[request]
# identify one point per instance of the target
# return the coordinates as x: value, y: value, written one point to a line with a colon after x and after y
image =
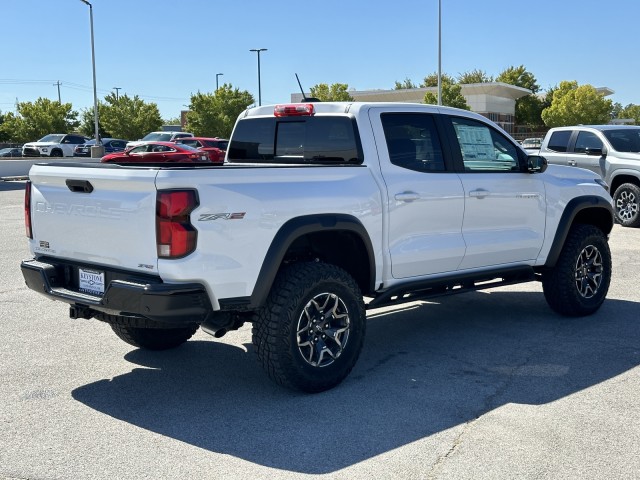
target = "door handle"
x: 407, y: 196
x: 573, y: 163
x: 479, y: 193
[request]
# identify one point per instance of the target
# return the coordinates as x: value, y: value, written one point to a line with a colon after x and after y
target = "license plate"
x: 91, y: 281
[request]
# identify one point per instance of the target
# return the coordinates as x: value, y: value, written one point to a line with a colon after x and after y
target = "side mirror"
x: 536, y: 164
x: 597, y: 152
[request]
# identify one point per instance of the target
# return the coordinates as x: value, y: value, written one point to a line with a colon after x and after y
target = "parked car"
x: 160, y: 137
x: 532, y: 143
x: 54, y: 145
x: 111, y: 145
x: 11, y: 152
x: 158, y: 152
x: 215, y: 147
x: 611, y: 151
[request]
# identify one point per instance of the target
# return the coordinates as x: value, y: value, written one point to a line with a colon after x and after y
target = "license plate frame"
x: 91, y: 281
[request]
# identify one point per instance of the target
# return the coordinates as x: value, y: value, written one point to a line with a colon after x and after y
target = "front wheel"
x: 626, y: 200
x: 310, y: 333
x: 579, y: 282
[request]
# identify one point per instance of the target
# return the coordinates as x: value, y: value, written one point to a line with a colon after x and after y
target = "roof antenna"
x: 304, y: 97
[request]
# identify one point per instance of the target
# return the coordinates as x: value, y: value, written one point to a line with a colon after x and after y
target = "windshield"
x: 188, y: 147
x: 55, y: 138
x: 624, y: 140
x: 158, y: 137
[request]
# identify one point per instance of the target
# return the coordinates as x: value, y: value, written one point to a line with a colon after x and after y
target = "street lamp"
x: 217, y: 75
x: 95, y: 92
x: 439, y: 52
x: 117, y: 89
x: 258, y: 50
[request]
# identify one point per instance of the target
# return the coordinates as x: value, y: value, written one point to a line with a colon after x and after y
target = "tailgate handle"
x: 79, y: 186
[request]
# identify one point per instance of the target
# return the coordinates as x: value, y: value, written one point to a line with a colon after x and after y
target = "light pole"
x: 217, y: 75
x: 117, y: 89
x: 439, y: 52
x: 99, y: 147
x: 258, y: 50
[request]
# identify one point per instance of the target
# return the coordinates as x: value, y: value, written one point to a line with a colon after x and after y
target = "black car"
x: 11, y: 152
x: 111, y: 145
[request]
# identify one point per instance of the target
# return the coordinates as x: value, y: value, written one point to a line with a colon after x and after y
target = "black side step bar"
x: 438, y: 287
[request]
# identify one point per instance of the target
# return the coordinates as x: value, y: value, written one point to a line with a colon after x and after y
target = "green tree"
x: 88, y: 122
x: 573, y: 105
x: 37, y: 119
x: 128, y: 117
x: 630, y: 111
x: 528, y: 108
x: 475, y: 76
x: 406, y: 84
x: 4, y: 136
x: 337, y: 92
x: 432, y: 80
x: 616, y: 108
x: 171, y: 121
x: 215, y: 114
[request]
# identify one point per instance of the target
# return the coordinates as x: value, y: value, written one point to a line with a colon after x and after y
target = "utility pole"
x: 117, y: 89
x: 439, y: 52
x: 58, y: 84
x: 217, y: 75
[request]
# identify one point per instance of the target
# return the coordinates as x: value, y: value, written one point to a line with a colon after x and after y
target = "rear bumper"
x: 125, y: 294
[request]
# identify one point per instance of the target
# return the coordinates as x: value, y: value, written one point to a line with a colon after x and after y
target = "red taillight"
x: 27, y: 209
x: 175, y: 235
x: 294, y: 110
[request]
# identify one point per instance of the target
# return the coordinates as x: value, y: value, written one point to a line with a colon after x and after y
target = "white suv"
x: 54, y: 145
x: 160, y: 137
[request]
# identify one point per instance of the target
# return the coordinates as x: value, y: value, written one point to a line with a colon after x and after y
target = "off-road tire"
x: 626, y: 204
x: 154, y: 338
x: 285, y: 331
x: 579, y: 282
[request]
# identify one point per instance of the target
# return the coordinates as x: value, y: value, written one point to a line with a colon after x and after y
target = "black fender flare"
x: 294, y: 229
x: 573, y: 208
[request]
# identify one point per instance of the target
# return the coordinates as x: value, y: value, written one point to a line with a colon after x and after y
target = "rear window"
x: 299, y: 140
x: 559, y: 141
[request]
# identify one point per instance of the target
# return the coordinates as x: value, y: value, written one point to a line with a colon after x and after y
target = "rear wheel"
x: 626, y: 201
x: 579, y: 282
x: 309, y: 334
x: 154, y: 338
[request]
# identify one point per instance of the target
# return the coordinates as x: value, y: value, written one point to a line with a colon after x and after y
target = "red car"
x: 157, y: 152
x: 215, y: 147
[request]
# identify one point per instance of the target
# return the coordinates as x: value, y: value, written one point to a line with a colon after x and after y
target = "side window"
x: 484, y: 149
x: 559, y: 141
x: 587, y: 141
x: 413, y: 142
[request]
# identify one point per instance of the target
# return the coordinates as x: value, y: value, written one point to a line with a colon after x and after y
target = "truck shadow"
x: 424, y: 369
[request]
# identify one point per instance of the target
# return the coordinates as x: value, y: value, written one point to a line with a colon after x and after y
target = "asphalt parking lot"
x: 486, y: 385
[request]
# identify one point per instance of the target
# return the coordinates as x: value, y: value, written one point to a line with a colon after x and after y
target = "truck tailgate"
x: 99, y: 216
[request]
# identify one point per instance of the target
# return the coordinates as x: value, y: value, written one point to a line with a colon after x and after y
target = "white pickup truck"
x: 321, y: 211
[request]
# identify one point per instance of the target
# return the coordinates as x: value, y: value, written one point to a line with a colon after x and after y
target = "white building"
x: 494, y: 100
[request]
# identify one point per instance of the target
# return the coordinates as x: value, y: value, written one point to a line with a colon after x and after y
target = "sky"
x: 165, y: 51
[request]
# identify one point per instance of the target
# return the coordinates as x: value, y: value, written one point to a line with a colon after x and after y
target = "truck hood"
x: 628, y: 156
